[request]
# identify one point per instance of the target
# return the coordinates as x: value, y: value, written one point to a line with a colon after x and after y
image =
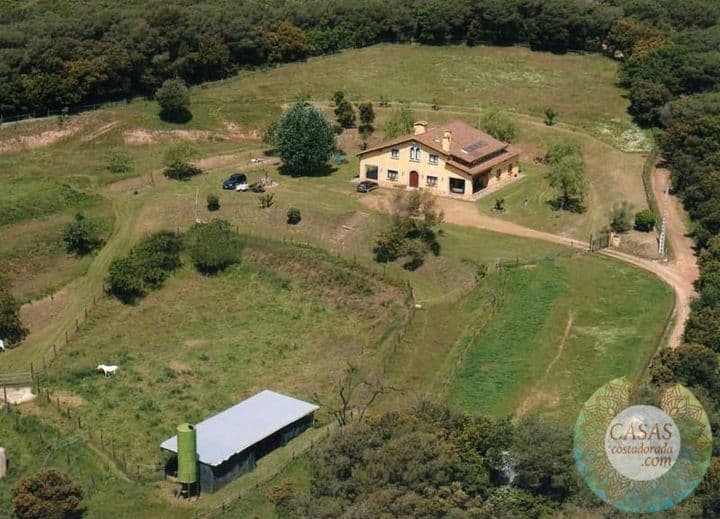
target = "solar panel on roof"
x: 474, y: 146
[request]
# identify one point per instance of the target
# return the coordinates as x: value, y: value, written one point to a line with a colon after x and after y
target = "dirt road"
x: 679, y: 273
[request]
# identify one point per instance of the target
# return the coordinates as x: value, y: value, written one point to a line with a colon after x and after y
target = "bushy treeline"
x: 673, y: 77
x: 430, y: 462
x: 53, y: 55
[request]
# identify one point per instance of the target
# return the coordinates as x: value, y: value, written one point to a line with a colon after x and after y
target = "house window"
x: 371, y: 172
x: 433, y: 159
x: 432, y: 181
x: 457, y: 185
x: 414, y: 153
x: 392, y: 175
x: 394, y: 153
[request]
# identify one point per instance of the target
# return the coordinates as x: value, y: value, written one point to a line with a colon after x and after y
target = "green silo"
x: 187, y: 454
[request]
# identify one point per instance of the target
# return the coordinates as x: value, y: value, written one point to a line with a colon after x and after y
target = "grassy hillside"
x: 571, y: 341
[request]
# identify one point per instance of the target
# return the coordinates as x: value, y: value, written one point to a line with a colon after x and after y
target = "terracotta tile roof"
x: 471, y: 150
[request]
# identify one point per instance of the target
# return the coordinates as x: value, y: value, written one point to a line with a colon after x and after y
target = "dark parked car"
x: 366, y: 186
x: 235, y: 180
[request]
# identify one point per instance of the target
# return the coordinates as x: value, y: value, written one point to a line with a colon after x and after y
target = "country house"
x: 451, y: 159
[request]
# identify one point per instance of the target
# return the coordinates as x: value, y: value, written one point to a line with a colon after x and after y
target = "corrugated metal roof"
x: 243, y: 425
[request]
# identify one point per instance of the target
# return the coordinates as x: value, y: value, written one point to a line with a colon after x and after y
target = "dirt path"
x: 679, y: 274
x: 684, y: 263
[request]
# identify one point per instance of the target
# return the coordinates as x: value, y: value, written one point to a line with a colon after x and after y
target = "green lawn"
x: 612, y: 328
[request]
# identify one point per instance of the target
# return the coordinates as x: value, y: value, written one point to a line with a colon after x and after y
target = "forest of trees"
x: 65, y: 54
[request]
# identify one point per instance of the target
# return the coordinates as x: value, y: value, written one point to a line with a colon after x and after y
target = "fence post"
x: 32, y: 371
x: 7, y: 404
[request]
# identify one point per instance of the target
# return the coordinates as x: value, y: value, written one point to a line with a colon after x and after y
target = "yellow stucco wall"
x: 442, y: 172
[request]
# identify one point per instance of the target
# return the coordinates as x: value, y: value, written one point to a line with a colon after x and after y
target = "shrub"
x: 293, y: 216
x: 125, y: 279
x: 119, y: 163
x: 146, y: 267
x: 400, y: 122
x: 213, y: 247
x: 174, y: 100
x: 499, y: 204
x: 11, y: 327
x: 550, y: 116
x: 621, y: 217
x: 500, y: 125
x: 266, y: 200
x: 81, y: 236
x: 645, y: 220
x: 177, y: 161
x: 213, y: 203
x: 48, y: 493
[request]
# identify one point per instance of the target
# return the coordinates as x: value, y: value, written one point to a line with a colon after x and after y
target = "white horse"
x: 108, y: 370
x: 2, y: 345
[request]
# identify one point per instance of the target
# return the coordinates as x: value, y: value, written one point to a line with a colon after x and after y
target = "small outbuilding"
x: 230, y: 443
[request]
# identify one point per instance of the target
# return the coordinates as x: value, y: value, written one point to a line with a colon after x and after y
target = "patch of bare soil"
x: 68, y: 399
x: 36, y: 314
x: 348, y: 226
x: 180, y: 367
x: 105, y: 128
x: 643, y: 244
x: 144, y: 136
x: 17, y: 395
x: 41, y: 139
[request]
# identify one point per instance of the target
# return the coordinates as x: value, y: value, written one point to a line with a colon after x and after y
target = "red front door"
x: 414, y: 179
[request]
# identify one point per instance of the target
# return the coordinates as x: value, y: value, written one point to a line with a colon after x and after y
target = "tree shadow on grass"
x: 324, y: 170
x: 573, y: 205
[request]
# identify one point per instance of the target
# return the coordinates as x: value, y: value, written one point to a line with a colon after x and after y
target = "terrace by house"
x: 452, y: 159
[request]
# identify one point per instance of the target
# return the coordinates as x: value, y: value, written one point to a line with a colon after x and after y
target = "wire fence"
x: 6, y: 120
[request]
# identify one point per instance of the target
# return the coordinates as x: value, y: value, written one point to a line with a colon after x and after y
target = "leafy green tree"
x: 645, y: 220
x: 411, y: 233
x: 690, y: 364
x: 567, y: 175
x: 81, y: 236
x: 213, y: 247
x: 47, y: 494
x: 646, y: 101
x: 305, y: 139
x: 177, y: 161
x: 550, y: 475
x: 11, y: 328
x: 400, y: 122
x: 286, y: 43
x: 621, y: 217
x: 703, y: 327
x: 345, y: 114
x: 500, y: 125
x: 367, y: 118
x: 125, y: 279
x: 174, y: 100
x: 147, y: 266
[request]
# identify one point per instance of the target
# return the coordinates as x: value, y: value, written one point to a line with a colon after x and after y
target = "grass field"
x: 572, y: 339
x: 288, y: 320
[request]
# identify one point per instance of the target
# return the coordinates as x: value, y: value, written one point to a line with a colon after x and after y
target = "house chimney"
x: 420, y: 127
x: 447, y: 139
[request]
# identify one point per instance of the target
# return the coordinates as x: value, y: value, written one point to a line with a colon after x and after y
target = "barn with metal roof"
x: 230, y: 443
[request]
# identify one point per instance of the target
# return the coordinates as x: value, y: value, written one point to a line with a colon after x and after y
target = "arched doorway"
x: 414, y: 179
